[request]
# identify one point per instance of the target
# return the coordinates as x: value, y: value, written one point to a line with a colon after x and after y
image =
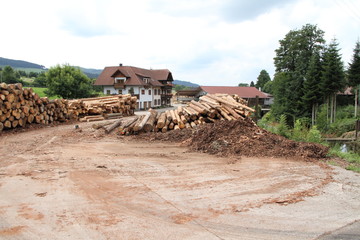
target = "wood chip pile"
x: 209, y: 109
x: 21, y: 106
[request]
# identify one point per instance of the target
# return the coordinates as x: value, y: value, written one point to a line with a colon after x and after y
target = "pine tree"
x: 293, y: 58
x: 333, y: 77
x: 354, y: 74
x: 262, y: 79
x: 252, y: 84
x: 312, y: 86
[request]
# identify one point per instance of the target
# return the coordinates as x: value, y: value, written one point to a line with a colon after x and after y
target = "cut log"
x: 174, y: 119
x: 233, y: 112
x: 140, y: 125
x: 168, y: 115
x: 117, y: 123
x: 161, y: 120
x: 224, y: 114
x: 231, y: 104
x: 199, y: 105
x: 149, y: 125
x: 198, y: 110
x: 180, y: 110
x: 103, y: 124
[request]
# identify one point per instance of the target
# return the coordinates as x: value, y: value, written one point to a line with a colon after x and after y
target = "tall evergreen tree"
x: 262, y: 79
x: 280, y: 88
x: 293, y: 57
x: 354, y: 67
x: 354, y: 74
x: 333, y: 77
x: 312, y: 86
x: 252, y: 84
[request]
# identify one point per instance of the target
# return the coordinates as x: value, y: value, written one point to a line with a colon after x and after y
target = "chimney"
x: 120, y: 65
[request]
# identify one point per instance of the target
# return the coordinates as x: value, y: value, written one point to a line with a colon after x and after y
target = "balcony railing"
x: 119, y: 85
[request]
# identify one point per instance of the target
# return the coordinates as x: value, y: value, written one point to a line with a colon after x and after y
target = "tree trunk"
x: 335, y: 103
x: 356, y: 101
x: 313, y: 115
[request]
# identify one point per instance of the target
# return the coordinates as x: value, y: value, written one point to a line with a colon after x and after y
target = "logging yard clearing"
x: 201, y: 171
x: 64, y: 183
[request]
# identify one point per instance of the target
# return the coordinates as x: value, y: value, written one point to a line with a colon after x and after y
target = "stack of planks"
x: 20, y: 106
x: 210, y: 108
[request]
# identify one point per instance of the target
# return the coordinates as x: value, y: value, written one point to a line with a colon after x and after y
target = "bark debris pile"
x: 242, y: 137
x: 21, y: 106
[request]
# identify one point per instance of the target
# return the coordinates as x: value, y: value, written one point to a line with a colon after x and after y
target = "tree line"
x: 64, y: 81
x: 10, y: 75
x: 309, y: 73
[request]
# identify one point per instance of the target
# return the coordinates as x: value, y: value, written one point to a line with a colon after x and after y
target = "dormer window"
x: 120, y: 80
x: 146, y: 80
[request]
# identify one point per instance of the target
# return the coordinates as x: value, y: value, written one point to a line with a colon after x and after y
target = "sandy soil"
x: 62, y: 183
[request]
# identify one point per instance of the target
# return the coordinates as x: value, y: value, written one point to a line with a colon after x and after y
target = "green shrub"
x: 313, y: 135
x: 342, y: 126
x: 268, y: 122
x: 283, y: 127
x: 300, y: 130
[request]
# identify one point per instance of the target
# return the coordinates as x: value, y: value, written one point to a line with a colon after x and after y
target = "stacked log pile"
x: 20, y: 106
x: 108, y: 106
x: 210, y: 108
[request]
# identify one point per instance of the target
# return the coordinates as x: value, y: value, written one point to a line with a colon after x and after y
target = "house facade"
x: 153, y: 88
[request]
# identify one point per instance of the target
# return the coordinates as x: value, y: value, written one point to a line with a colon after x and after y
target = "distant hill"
x: 20, y: 64
x: 185, y: 83
x: 91, y: 72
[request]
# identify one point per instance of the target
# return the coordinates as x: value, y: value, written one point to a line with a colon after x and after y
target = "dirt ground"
x: 66, y: 183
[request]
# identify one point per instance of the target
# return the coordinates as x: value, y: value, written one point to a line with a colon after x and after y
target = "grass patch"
x: 41, y: 92
x: 352, y: 158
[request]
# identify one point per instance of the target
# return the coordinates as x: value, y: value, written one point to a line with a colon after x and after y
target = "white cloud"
x: 215, y: 42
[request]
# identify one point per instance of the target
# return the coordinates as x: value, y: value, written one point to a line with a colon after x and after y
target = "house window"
x: 142, y: 91
x: 108, y: 92
x: 146, y: 80
x: 149, y: 91
x: 155, y: 91
x: 120, y: 91
x: 120, y: 80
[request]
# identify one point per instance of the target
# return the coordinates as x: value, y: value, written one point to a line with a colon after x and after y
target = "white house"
x: 151, y: 87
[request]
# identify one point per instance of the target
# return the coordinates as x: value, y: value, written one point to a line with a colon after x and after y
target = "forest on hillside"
x: 19, y: 64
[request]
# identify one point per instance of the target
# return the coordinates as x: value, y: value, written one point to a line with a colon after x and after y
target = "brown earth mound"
x: 242, y: 138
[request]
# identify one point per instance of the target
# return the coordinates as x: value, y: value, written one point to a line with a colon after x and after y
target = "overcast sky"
x: 208, y: 42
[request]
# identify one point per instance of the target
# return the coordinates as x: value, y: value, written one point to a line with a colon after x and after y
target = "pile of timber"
x: 20, y: 106
x: 123, y: 105
x: 210, y: 108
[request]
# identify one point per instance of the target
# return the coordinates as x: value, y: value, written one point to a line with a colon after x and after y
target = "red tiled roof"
x: 243, y: 92
x: 134, y: 76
